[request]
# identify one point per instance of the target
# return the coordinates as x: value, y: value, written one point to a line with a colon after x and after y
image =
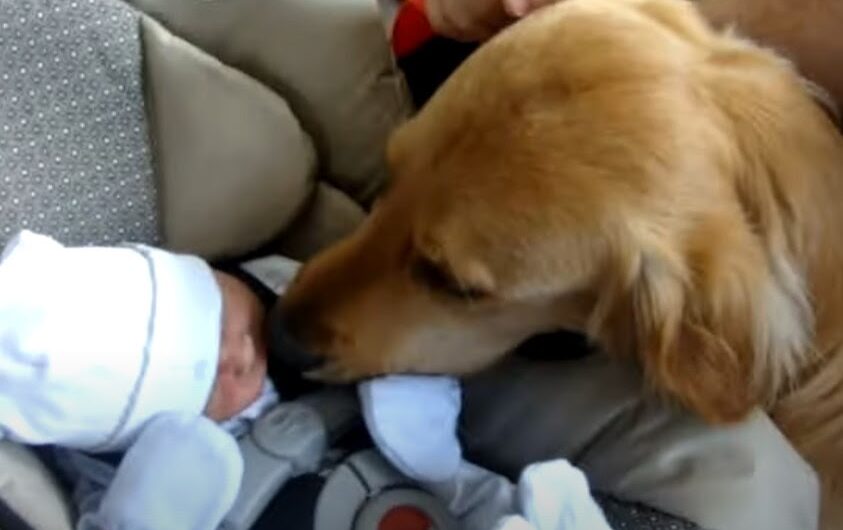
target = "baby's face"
x: 242, y: 363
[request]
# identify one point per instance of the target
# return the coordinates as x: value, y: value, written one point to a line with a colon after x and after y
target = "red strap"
x: 411, y: 28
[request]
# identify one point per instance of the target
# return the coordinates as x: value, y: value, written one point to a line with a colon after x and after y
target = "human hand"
x: 477, y: 20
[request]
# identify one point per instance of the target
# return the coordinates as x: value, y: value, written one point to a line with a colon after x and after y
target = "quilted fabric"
x: 74, y: 156
x: 632, y: 516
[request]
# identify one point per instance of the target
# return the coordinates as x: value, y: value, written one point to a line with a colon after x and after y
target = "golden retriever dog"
x: 619, y: 168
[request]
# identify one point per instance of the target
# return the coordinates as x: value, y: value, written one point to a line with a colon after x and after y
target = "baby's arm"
x: 413, y: 420
x: 182, y: 473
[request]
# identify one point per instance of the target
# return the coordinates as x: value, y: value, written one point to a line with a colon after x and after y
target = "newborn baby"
x: 131, y: 349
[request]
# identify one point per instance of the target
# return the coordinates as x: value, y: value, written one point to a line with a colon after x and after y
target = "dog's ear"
x: 707, y: 319
x: 696, y: 345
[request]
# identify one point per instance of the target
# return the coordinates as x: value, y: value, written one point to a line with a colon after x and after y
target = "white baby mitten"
x: 182, y: 473
x: 554, y: 495
x: 413, y: 421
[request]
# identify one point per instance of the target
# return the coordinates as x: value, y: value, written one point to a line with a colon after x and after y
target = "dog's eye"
x: 438, y: 278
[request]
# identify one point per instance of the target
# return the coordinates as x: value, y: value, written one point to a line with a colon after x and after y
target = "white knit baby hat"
x: 95, y: 341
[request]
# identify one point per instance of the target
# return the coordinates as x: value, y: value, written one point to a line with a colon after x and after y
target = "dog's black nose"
x: 284, y: 347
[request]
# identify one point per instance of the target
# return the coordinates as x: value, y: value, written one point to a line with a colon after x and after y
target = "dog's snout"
x: 285, y: 347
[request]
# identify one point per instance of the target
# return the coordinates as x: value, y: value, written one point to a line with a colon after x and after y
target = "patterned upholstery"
x: 74, y: 156
x: 631, y: 516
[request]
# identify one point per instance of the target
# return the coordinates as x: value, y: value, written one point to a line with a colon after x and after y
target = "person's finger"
x: 445, y: 21
x: 466, y: 21
x: 436, y: 17
x: 517, y: 8
x: 522, y: 8
x: 462, y: 20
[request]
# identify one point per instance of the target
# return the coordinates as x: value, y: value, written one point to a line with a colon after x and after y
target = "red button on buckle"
x: 405, y: 518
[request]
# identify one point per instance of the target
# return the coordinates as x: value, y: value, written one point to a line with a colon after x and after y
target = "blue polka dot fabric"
x: 75, y: 159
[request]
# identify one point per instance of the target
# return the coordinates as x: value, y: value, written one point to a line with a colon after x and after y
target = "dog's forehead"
x: 516, y: 143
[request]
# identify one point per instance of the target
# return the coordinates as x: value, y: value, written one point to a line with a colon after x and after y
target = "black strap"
x: 264, y: 293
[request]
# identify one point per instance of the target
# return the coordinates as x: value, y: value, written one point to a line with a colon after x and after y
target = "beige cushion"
x: 329, y: 217
x: 233, y: 164
x: 330, y: 60
x: 29, y: 489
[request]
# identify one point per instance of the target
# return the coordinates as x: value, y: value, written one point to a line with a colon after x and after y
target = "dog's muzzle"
x: 284, y: 347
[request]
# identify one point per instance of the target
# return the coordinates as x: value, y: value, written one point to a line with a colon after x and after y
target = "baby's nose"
x: 239, y: 355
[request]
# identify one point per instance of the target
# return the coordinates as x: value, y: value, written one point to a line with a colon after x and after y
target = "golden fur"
x: 619, y: 168
x: 806, y: 31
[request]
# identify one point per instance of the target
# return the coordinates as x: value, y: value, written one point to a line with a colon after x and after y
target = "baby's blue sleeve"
x: 413, y: 421
x: 182, y: 473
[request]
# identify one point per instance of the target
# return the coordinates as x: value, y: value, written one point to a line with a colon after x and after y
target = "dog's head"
x: 602, y: 166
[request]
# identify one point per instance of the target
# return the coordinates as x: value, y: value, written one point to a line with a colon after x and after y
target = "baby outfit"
x: 106, y: 350
x: 413, y: 420
x: 94, y: 342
